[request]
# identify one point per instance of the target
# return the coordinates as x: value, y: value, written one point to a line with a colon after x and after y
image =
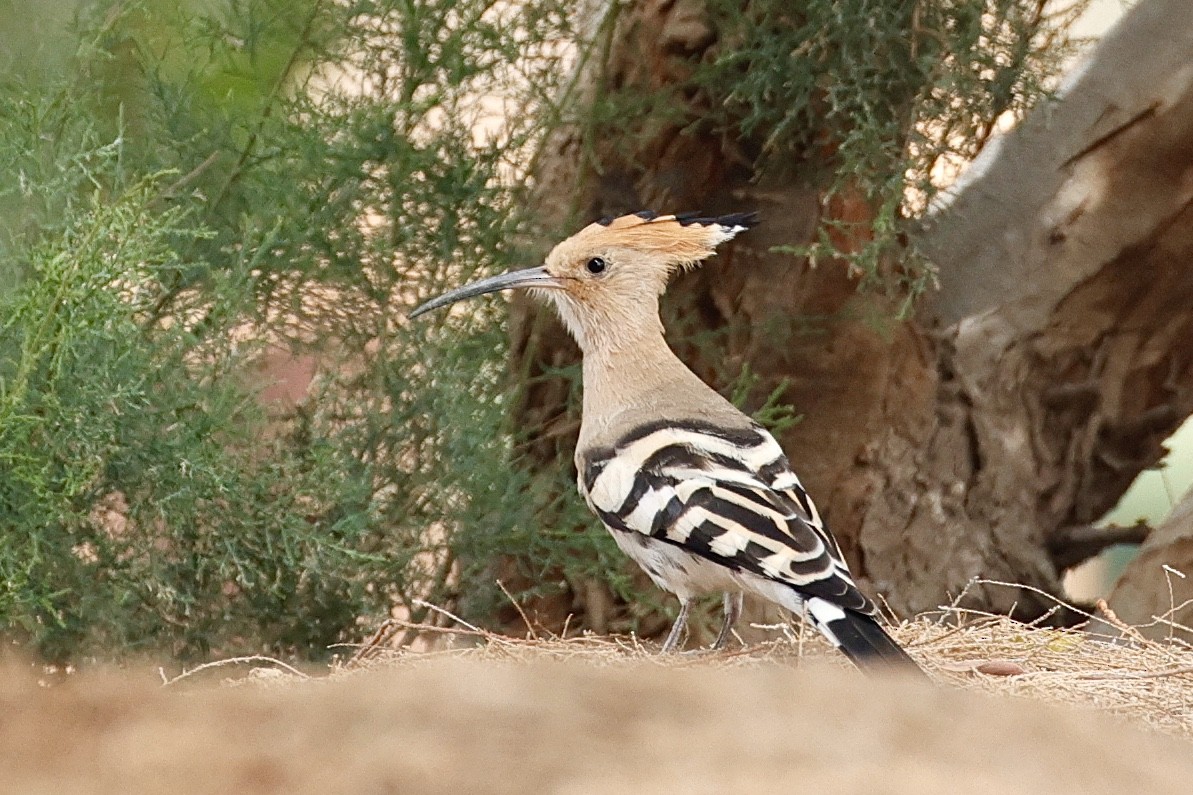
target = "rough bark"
x: 1020, y: 401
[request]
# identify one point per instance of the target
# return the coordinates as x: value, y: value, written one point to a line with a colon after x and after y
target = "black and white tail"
x: 859, y: 637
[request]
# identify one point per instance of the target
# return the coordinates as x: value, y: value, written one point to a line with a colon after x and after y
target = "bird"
x: 697, y: 493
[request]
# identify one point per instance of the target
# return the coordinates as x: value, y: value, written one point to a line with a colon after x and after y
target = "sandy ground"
x: 584, y: 724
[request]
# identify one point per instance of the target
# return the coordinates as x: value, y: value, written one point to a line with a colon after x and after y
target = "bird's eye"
x: 595, y: 265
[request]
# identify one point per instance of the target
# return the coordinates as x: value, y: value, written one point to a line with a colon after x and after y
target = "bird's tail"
x: 860, y: 638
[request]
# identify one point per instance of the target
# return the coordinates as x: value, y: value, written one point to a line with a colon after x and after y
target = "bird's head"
x: 606, y: 279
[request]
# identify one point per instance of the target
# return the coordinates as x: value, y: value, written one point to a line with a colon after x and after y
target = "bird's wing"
x: 725, y: 495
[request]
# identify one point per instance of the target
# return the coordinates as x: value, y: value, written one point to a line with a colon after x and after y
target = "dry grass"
x: 479, y: 712
x: 1149, y: 682
x: 1124, y: 674
x: 1144, y: 681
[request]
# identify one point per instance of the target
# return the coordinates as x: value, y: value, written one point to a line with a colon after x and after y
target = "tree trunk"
x: 1066, y: 300
x: 1021, y: 399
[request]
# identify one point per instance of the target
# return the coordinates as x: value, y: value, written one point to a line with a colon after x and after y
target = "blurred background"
x: 219, y: 433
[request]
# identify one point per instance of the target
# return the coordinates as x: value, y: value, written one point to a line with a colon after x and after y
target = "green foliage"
x: 773, y: 414
x: 202, y: 187
x: 139, y: 507
x: 876, y: 103
x: 895, y: 94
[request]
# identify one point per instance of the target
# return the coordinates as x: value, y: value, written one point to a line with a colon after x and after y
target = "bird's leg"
x: 677, y: 629
x: 733, y: 603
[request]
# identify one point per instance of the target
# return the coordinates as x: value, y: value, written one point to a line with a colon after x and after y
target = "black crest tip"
x: 731, y: 221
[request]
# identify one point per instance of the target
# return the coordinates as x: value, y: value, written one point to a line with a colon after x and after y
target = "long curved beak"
x: 530, y: 277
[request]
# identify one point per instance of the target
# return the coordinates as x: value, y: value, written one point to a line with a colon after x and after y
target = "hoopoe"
x: 698, y: 494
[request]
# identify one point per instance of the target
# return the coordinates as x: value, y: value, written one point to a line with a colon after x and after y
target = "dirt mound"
x: 595, y: 723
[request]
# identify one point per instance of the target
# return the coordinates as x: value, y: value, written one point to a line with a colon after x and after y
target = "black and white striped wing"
x: 727, y: 496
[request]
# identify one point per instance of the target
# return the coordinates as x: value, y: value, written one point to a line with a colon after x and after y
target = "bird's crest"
x: 678, y: 239
x: 607, y: 269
